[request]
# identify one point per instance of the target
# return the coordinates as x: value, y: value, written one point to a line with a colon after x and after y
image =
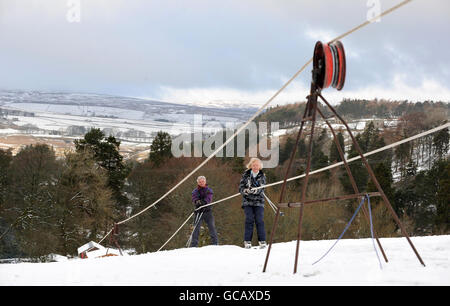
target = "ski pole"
x: 273, y: 206
x: 197, y: 219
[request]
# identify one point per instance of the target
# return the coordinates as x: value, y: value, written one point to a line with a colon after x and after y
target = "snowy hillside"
x: 351, y: 262
x: 132, y: 119
x: 29, y: 117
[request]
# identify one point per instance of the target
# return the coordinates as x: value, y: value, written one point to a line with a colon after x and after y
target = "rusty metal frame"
x: 374, y: 180
x: 352, y: 180
x: 338, y: 198
x: 113, y: 237
x: 309, y: 114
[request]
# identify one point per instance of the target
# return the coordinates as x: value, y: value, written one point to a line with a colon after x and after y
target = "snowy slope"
x: 351, y: 262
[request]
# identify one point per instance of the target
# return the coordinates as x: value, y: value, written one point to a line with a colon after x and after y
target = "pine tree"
x: 358, y: 170
x: 8, y: 246
x: 411, y: 169
x: 85, y: 207
x: 301, y: 149
x: 438, y: 178
x: 368, y: 136
x: 402, y: 156
x: 383, y: 174
x: 441, y: 143
x: 30, y: 205
x: 5, y: 161
x: 318, y: 158
x: 425, y: 197
x: 443, y: 199
x: 161, y: 147
x: 334, y: 153
x: 105, y: 151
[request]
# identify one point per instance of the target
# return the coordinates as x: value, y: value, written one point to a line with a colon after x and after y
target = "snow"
x: 78, y: 110
x: 61, y: 112
x: 9, y: 131
x: 351, y: 262
x: 175, y: 125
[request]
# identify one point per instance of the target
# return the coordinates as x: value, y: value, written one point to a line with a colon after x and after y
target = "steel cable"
x: 257, y: 113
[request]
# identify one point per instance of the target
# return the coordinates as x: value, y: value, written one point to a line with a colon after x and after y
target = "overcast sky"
x: 235, y: 50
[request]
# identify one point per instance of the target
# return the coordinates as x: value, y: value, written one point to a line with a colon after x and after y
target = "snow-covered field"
x: 351, y: 262
x: 128, y: 119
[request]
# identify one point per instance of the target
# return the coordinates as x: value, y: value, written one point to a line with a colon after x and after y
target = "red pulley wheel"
x: 335, y: 65
x: 329, y: 65
x: 342, y: 65
x: 319, y: 65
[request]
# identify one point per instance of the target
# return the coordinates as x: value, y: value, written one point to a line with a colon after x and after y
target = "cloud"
x: 429, y: 89
x: 426, y: 90
x: 320, y: 34
x: 198, y: 50
x: 231, y: 96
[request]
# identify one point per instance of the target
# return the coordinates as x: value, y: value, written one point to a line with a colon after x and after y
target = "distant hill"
x: 291, y: 114
x: 63, y: 102
x: 134, y: 121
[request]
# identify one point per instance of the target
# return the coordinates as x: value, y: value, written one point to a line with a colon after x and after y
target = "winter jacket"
x: 248, y: 181
x: 204, y: 194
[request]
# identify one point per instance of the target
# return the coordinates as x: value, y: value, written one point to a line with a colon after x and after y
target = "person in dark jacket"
x: 202, y: 195
x: 253, y: 202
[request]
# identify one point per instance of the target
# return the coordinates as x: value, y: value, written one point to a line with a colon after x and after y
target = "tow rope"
x: 348, y: 225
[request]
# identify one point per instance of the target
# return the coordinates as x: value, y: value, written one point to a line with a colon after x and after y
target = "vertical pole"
x: 375, y: 181
x: 352, y: 180
x: 283, y: 188
x: 312, y: 112
x: 113, y: 236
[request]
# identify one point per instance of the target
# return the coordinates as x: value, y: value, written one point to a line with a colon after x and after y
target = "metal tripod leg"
x: 352, y: 180
x: 283, y: 187
x: 312, y: 101
x: 375, y: 181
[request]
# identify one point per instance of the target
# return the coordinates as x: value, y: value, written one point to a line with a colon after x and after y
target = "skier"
x: 253, y: 202
x: 202, y: 195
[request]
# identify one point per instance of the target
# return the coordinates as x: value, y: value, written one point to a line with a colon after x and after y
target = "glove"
x: 198, y: 203
x: 250, y: 191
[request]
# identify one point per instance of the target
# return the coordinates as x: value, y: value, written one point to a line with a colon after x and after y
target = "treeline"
x: 50, y: 205
x: 415, y: 176
x: 356, y: 108
x: 290, y: 115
